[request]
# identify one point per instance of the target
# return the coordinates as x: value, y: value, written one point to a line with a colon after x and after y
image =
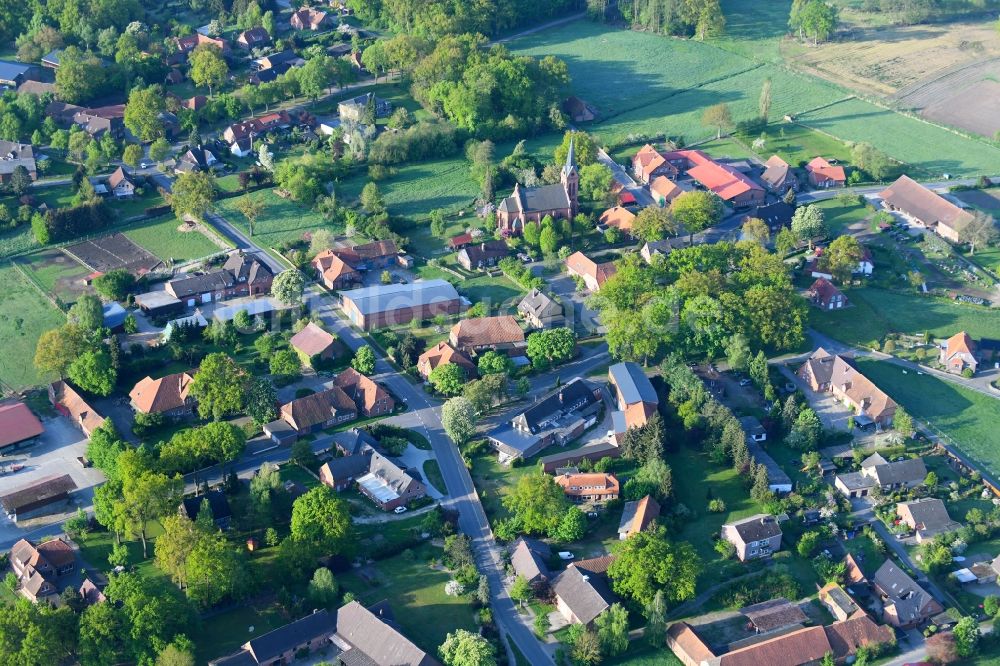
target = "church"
x: 531, y: 204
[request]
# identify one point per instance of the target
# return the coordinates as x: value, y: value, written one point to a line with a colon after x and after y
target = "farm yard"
x: 24, y: 316
x: 171, y: 240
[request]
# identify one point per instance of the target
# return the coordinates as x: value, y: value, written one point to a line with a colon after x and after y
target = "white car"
x: 566, y: 555
x: 399, y: 509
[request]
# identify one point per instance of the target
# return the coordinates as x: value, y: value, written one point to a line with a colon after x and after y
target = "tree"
x: 967, y: 637
x: 87, y: 313
x: 494, y: 362
x: 464, y: 648
x: 143, y: 113
x: 979, y: 232
x: 92, y: 371
x: 841, y: 258
x: 646, y: 563
x: 458, y: 417
x: 207, y: 67
x: 193, y: 194
x: 219, y: 386
x: 364, y: 360
x: 695, y: 211
x: 903, y: 422
x: 808, y: 223
x: 251, y: 208
x: 719, y: 117
x: 323, y: 588
x: 756, y: 230
x: 537, y: 502
x: 448, y: 379
x: 147, y: 497
x: 320, y: 518
x: 115, y: 285
x: 764, y: 103
x: 612, y: 630
x: 656, y: 619
x: 288, y: 286
x: 653, y: 223
x: 552, y: 346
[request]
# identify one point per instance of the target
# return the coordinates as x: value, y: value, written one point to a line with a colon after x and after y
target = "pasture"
x: 24, y: 316
x: 170, y: 240
x: 877, y: 312
x: 967, y: 417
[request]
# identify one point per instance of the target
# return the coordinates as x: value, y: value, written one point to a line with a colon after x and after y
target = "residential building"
x: 919, y: 204
x: 441, y: 354
x: 482, y: 255
x: 634, y: 394
x: 823, y: 174
x: 778, y: 176
x: 308, y: 18
x: 583, y: 591
x: 19, y: 427
x: 829, y: 373
x: 254, y: 38
x: 927, y: 517
x: 637, y: 516
x: 530, y: 204
x: 528, y: 557
x: 664, y: 190
x: 167, y: 395
x: 824, y: 295
x: 589, y: 488
x: 904, y: 603
x: 594, y: 275
x: 120, y: 184
x: 559, y: 417
x: 399, y: 304
x: 354, y: 109
x: 319, y: 410
x: 388, y: 485
x: 313, y: 344
x: 341, y: 473
x: 38, y: 497
x: 619, y: 218
x: 71, y: 404
x: 38, y: 568
x: 593, y: 452
x: 959, y: 354
x: 241, y: 275
x: 369, y: 396
x: 754, y: 537
x: 541, y: 310
x: 218, y: 505
x: 478, y: 335
x: 14, y: 155
x: 838, y: 601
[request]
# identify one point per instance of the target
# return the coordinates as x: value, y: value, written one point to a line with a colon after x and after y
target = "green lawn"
x: 876, y: 312
x: 24, y: 316
x: 162, y: 237
x: 283, y: 219
x: 416, y: 593
x: 969, y: 418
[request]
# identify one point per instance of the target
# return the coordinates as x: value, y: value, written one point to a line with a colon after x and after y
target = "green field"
x: 161, y: 237
x: 876, y: 312
x: 934, y: 149
x: 24, y: 315
x: 967, y: 417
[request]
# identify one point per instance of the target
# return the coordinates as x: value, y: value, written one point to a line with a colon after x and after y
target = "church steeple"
x: 569, y: 177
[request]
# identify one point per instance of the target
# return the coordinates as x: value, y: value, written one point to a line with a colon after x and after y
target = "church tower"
x: 570, y: 177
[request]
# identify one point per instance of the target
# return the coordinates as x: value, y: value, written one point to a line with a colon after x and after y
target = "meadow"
x: 877, y: 312
x: 24, y: 316
x: 162, y: 237
x: 967, y: 417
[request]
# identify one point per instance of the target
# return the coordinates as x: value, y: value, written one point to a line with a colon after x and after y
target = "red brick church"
x: 531, y: 204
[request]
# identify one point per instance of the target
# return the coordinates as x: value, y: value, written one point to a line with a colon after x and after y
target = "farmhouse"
x: 441, y: 354
x: 531, y: 204
x: 904, y: 603
x: 541, y: 310
x: 754, y: 537
x: 166, y: 395
x: 371, y: 399
x: 318, y: 411
x: 927, y: 517
x: 823, y: 174
x: 559, y: 417
x: 637, y: 516
x: 528, y: 557
x: 594, y: 275
x: 592, y: 488
x: 388, y: 485
x: 921, y: 205
x: 825, y: 295
x: 834, y: 374
x: 354, y: 109
x: 583, y: 591
x: 37, y: 497
x: 19, y: 427
x: 398, y: 304
x: 481, y: 334
x: 482, y: 255
x: 778, y: 176
x: 71, y: 404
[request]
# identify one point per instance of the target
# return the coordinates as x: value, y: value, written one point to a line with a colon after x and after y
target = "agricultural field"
x: 932, y: 149
x: 169, y: 239
x: 967, y: 417
x: 876, y: 312
x: 57, y: 273
x: 24, y: 315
